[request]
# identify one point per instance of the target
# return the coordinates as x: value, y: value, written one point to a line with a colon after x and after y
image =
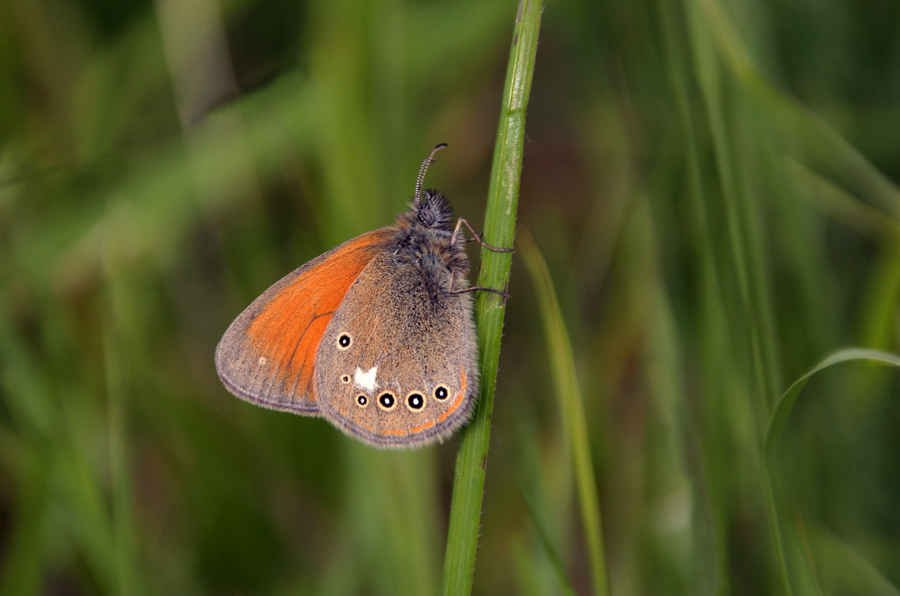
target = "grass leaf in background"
x: 571, y: 407
x: 787, y: 401
x: 787, y: 540
x: 527, y: 575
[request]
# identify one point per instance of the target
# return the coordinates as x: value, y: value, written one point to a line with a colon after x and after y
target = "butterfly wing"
x: 267, y: 355
x: 396, y: 367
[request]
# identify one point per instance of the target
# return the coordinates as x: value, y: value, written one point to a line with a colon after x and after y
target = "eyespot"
x: 441, y: 393
x: 344, y: 341
x: 362, y: 400
x: 415, y: 401
x: 345, y: 379
x: 387, y: 400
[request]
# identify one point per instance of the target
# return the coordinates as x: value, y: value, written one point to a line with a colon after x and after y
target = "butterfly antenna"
x: 424, y: 169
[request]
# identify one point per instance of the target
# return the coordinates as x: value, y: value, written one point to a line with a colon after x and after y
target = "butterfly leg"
x: 477, y: 238
x: 477, y: 288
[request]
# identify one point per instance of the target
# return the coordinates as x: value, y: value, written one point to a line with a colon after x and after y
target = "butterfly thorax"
x: 425, y: 241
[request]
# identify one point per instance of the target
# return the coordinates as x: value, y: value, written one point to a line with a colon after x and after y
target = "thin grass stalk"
x: 115, y: 327
x: 500, y: 221
x: 550, y: 551
x: 572, y: 411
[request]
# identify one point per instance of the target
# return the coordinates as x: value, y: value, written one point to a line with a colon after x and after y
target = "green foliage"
x: 711, y: 183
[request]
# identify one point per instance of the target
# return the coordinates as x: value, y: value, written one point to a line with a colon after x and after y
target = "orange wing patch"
x: 287, y: 330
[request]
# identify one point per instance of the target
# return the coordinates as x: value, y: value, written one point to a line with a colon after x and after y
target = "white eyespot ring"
x: 344, y: 341
x: 441, y: 393
x: 415, y: 401
x: 387, y: 401
x: 362, y: 400
x: 345, y: 379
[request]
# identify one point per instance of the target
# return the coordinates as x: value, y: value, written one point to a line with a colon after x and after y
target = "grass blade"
x: 776, y: 429
x: 500, y: 221
x: 572, y: 411
x: 787, y: 401
x: 546, y: 544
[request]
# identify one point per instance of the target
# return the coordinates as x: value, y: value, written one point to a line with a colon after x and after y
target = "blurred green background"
x: 712, y: 183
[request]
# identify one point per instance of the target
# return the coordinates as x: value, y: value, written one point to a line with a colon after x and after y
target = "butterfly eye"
x: 344, y: 341
x: 345, y: 379
x: 415, y: 401
x: 387, y: 401
x: 441, y: 393
x: 361, y: 400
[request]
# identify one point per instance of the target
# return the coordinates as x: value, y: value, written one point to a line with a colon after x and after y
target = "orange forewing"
x: 268, y: 354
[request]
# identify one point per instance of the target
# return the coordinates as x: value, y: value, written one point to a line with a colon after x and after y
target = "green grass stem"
x: 500, y: 221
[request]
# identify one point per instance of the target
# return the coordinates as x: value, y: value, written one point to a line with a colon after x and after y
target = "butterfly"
x: 376, y: 335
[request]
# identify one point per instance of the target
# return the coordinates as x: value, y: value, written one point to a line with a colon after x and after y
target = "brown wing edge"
x: 234, y: 344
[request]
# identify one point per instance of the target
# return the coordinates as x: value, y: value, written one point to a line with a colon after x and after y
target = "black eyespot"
x: 415, y: 401
x: 362, y: 400
x: 345, y: 379
x: 344, y: 341
x: 441, y: 393
x: 386, y: 400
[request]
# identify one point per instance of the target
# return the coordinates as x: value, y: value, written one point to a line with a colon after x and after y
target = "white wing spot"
x: 366, y: 380
x: 263, y: 360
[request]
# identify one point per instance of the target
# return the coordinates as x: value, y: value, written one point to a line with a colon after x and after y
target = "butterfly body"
x: 376, y: 335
